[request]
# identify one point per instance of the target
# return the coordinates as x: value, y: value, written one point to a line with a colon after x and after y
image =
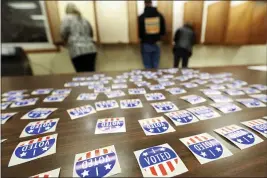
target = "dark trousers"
x: 84, y: 63
x: 181, y: 53
x: 150, y: 54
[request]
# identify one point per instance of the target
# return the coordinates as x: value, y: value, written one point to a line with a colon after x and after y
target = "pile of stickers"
x: 155, y: 161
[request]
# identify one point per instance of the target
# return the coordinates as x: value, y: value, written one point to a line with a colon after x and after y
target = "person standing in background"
x: 77, y: 34
x: 151, y: 28
x: 184, y: 40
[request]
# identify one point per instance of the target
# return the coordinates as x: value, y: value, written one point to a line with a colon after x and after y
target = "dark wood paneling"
x: 133, y: 22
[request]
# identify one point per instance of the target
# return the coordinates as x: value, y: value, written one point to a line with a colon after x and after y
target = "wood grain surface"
x: 77, y: 136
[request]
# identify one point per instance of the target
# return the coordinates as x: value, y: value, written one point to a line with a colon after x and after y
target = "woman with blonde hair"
x: 77, y: 34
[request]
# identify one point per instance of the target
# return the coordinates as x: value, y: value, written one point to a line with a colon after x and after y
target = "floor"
x: 127, y: 57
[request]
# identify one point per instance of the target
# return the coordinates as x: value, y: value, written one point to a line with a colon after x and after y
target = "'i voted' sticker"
x: 25, y: 102
x: 259, y: 125
x: 13, y: 92
x: 261, y: 97
x: 156, y: 126
x: 154, y: 96
x: 233, y: 92
x: 102, y: 90
x: 204, y: 112
x: 250, y: 91
x: 211, y: 92
x: 81, y: 111
x: 33, y: 149
x: 136, y: 91
x: 220, y: 98
x: 72, y: 84
x: 14, y: 98
x: 87, y: 96
x: 167, y: 83
x: 4, y: 105
x: 115, y: 94
x: 141, y: 84
x: 6, y: 116
x: 104, y: 105
x: 251, y: 103
x: 39, y: 113
x: 205, y: 148
x: 110, y: 125
x: 190, y: 85
x: 241, y: 137
x: 259, y: 87
x: 53, y: 173
x: 226, y: 107
x: 193, y: 99
x: 176, y: 91
x: 160, y: 161
x: 54, y: 98
x: 43, y: 91
x: 164, y: 106
x: 102, y: 162
x: 119, y: 86
x: 217, y: 87
x: 79, y: 78
x: 61, y: 92
x: 131, y: 103
x: 116, y: 81
x: 182, y: 117
x: 39, y: 127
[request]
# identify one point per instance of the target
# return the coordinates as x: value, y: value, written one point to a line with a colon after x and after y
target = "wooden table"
x: 77, y: 136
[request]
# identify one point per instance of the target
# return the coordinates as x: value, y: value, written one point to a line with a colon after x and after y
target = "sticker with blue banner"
x: 176, y: 91
x: 160, y: 161
x: 259, y: 125
x: 24, y: 102
x: 104, y: 105
x: 217, y: 87
x: 4, y: 105
x: 200, y: 82
x: 87, y: 96
x: 211, y: 92
x: 156, y: 126
x: 156, y: 87
x: 250, y: 91
x: 205, y: 148
x: 239, y: 136
x: 72, y: 84
x: 54, y: 98
x: 167, y: 84
x: 6, y: 116
x: 102, y: 162
x: 226, y: 107
x: 110, y: 125
x: 141, y: 84
x: 204, y: 112
x: 131, y: 103
x: 39, y: 127
x: 61, y: 92
x: 154, y: 96
x: 261, y: 97
x: 119, y: 86
x: 13, y: 98
x: 102, y: 90
x: 53, y: 173
x: 43, y: 91
x: 39, y: 113
x: 193, y: 99
x: 81, y: 111
x: 164, y: 106
x: 13, y: 93
x: 190, y: 85
x: 251, y: 103
x: 220, y: 98
x: 33, y: 149
x: 136, y: 91
x: 115, y: 94
x: 234, y: 92
x: 182, y: 117
x: 119, y: 81
x: 259, y: 87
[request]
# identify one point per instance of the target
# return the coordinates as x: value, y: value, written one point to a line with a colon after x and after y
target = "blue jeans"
x: 151, y: 55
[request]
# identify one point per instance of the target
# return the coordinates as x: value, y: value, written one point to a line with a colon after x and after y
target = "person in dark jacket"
x: 151, y: 28
x: 184, y: 40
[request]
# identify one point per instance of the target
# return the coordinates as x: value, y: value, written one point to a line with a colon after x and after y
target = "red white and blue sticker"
x: 39, y: 127
x: 233, y: 92
x: 251, y: 103
x: 110, y: 125
x: 131, y: 103
x: 261, y: 97
x: 182, y: 117
x: 102, y: 162
x: 240, y: 82
x: 259, y: 125
x: 43, y: 91
x: 24, y: 102
x: 176, y: 91
x: 33, y: 149
x: 104, y: 105
x: 194, y: 99
x: 167, y: 83
x: 6, y: 116
x: 14, y: 98
x: 205, y: 148
x: 4, y: 105
x: 49, y: 174
x: 95, y: 86
x: 141, y: 84
x: 220, y: 98
x: 87, y: 96
x: 136, y: 91
x: 211, y: 92
x: 39, y: 113
x: 259, y: 87
x: 13, y: 93
x: 160, y: 161
x: 81, y: 111
x: 190, y: 85
x: 119, y: 81
x: 102, y: 90
x: 54, y: 98
x: 204, y: 112
x: 226, y: 107
x: 115, y: 94
x: 72, y: 84
x: 200, y: 82
x: 61, y: 92
x: 154, y: 96
x: 241, y: 137
x: 164, y: 106
x: 234, y: 86
x: 156, y: 126
x: 119, y: 86
x: 79, y: 78
x: 250, y: 91
x: 217, y: 87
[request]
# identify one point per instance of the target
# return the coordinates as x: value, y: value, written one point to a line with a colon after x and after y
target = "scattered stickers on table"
x: 39, y: 127
x: 4, y: 105
x: 241, y: 137
x: 110, y: 125
x: 204, y: 112
x: 251, y: 103
x: 154, y: 96
x: 115, y: 94
x: 194, y: 99
x: 43, y: 91
x: 250, y: 91
x: 24, y: 102
x: 117, y: 81
x: 220, y: 98
x: 119, y: 86
x: 72, y: 84
x: 182, y: 117
x: 206, y: 148
x: 136, y: 91
x: 61, y: 92
x: 102, y: 90
x: 217, y: 87
x: 131, y: 103
x: 6, y: 116
x: 104, y: 105
x: 53, y: 173
x: 81, y: 111
x: 13, y: 98
x: 211, y: 92
x: 39, y: 113
x: 259, y: 125
x: 155, y: 126
x: 233, y: 92
x: 13, y: 92
x: 261, y: 97
x: 160, y: 161
x: 87, y: 96
x: 156, y: 87
x: 55, y: 98
x: 176, y: 91
x: 259, y: 87
x: 190, y: 85
x: 164, y: 106
x: 226, y: 107
x: 33, y: 149
x: 102, y: 162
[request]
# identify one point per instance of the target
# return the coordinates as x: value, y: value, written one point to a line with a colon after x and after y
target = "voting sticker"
x: 261, y: 97
x: 53, y: 173
x: 33, y: 149
x: 194, y: 99
x: 204, y: 112
x: 119, y: 86
x: 190, y: 85
x: 136, y: 91
x: 110, y: 125
x: 167, y: 84
x: 39, y: 127
x: 24, y: 102
x: 250, y: 91
x: 61, y: 92
x: 154, y: 96
x: 259, y: 87
x: 251, y: 103
x: 164, y: 106
x: 84, y: 83
x: 234, y: 86
x: 233, y: 92
x: 205, y: 148
x: 79, y: 78
x: 226, y: 107
x: 176, y: 91
x: 87, y: 96
x: 160, y: 161
x: 6, y: 116
x: 102, y: 162
x: 96, y: 86
x: 155, y: 126
x: 82, y: 111
x: 259, y: 125
x: 102, y: 90
x: 115, y: 94
x: 54, y: 98
x: 72, y: 84
x: 217, y: 87
x: 200, y: 82
x: 131, y: 103
x: 141, y: 84
x: 39, y: 113
x: 43, y: 91
x: 241, y: 137
x: 220, y: 98
x: 104, y: 105
x: 4, y: 105
x: 211, y: 92
x: 13, y: 92
x: 14, y: 98
x: 182, y: 117
x: 156, y: 87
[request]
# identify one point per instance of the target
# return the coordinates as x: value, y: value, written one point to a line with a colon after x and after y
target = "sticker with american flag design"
x: 136, y: 91
x: 42, y: 91
x: 49, y: 174
x: 261, y: 97
x: 61, y: 92
x: 14, y: 92
x: 33, y: 149
x: 154, y: 96
x: 156, y: 126
x: 6, y: 116
x: 114, y: 94
x: 102, y: 162
x: 104, y: 105
x: 39, y: 113
x: 241, y: 137
x: 182, y: 117
x: 39, y: 127
x: 205, y: 148
x: 131, y: 103
x: 259, y: 125
x: 81, y: 111
x: 110, y: 125
x: 204, y: 112
x: 251, y: 102
x: 160, y: 161
x: 193, y: 99
x: 24, y: 102
x: 164, y: 106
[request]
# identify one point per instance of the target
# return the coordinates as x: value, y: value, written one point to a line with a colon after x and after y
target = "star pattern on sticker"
x: 250, y: 136
x: 203, y: 154
x: 85, y: 173
x: 47, y: 128
x: 30, y: 131
x: 165, y: 128
x: 239, y: 140
x: 108, y: 166
x: 151, y: 130
x: 218, y: 149
x: 162, y: 149
x: 45, y: 148
x: 23, y: 154
x: 145, y: 154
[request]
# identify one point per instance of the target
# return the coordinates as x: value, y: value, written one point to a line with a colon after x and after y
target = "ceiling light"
x: 37, y: 17
x: 22, y: 5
